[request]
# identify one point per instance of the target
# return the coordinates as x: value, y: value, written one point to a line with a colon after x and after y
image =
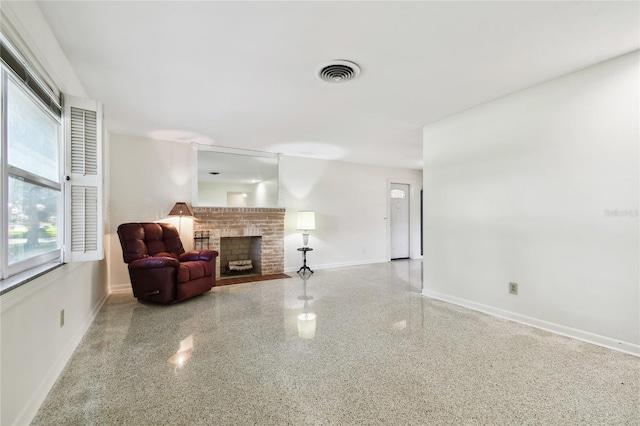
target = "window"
x: 31, y: 164
x: 40, y: 144
x: 398, y: 193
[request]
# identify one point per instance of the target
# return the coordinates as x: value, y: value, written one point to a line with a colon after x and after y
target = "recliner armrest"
x: 154, y: 262
x: 194, y: 255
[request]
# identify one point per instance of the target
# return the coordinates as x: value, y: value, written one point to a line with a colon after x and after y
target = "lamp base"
x: 305, y: 240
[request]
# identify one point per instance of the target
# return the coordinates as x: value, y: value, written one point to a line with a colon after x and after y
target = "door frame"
x: 414, y: 216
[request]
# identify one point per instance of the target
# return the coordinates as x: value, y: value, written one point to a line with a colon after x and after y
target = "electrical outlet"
x: 62, y: 318
x: 513, y: 288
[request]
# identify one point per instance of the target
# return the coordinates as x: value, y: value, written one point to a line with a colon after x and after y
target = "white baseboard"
x: 585, y: 336
x: 337, y: 265
x: 119, y: 288
x: 35, y: 402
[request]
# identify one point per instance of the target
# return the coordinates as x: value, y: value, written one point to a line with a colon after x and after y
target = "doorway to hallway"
x: 399, y: 220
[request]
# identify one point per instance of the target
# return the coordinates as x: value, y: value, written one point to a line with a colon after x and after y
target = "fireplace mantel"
x: 267, y: 223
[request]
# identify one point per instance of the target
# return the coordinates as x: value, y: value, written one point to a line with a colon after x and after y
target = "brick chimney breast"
x: 267, y: 223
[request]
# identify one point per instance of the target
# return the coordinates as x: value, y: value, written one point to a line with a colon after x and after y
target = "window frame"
x: 7, y: 269
x: 32, y: 79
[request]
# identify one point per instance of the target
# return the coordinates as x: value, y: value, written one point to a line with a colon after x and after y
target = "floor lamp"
x: 180, y: 209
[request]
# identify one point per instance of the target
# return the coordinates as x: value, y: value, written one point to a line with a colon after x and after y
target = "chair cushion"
x: 193, y: 270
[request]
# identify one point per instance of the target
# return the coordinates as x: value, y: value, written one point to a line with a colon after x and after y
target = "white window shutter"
x: 83, y: 210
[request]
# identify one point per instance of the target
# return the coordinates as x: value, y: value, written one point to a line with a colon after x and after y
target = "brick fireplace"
x: 267, y: 223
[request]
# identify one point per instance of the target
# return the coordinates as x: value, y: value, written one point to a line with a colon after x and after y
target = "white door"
x: 399, y: 196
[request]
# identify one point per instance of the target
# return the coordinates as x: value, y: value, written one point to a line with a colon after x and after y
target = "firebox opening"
x: 240, y: 256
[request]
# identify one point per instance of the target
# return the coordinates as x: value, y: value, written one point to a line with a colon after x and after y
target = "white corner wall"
x: 34, y: 348
x: 147, y: 178
x: 542, y: 188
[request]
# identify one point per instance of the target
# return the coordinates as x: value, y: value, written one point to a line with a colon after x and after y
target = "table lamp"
x: 306, y: 223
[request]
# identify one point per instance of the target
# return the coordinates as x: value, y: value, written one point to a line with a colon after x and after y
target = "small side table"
x: 304, y: 266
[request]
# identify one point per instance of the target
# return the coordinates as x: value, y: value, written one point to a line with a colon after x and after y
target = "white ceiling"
x: 241, y: 74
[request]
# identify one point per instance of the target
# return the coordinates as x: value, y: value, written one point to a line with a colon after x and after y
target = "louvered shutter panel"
x: 84, y: 180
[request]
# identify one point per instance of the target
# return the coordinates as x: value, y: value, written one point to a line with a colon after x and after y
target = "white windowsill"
x: 17, y: 280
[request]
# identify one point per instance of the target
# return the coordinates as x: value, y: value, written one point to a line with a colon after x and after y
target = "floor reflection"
x: 307, y: 319
x: 411, y: 272
x: 184, y: 352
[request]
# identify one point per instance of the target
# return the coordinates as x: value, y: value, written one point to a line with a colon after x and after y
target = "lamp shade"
x: 181, y: 209
x: 306, y: 220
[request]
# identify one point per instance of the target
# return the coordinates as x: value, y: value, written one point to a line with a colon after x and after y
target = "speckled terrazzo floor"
x: 381, y: 354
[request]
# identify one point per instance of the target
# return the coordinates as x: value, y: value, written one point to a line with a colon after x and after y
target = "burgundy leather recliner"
x: 159, y: 268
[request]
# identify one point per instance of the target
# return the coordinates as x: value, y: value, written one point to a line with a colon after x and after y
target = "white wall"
x: 148, y: 177
x: 521, y: 190
x: 215, y: 194
x: 350, y: 201
x: 34, y: 348
x: 265, y: 192
x: 261, y: 194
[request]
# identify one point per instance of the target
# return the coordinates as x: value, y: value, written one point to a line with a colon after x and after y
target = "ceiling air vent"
x: 338, y: 71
